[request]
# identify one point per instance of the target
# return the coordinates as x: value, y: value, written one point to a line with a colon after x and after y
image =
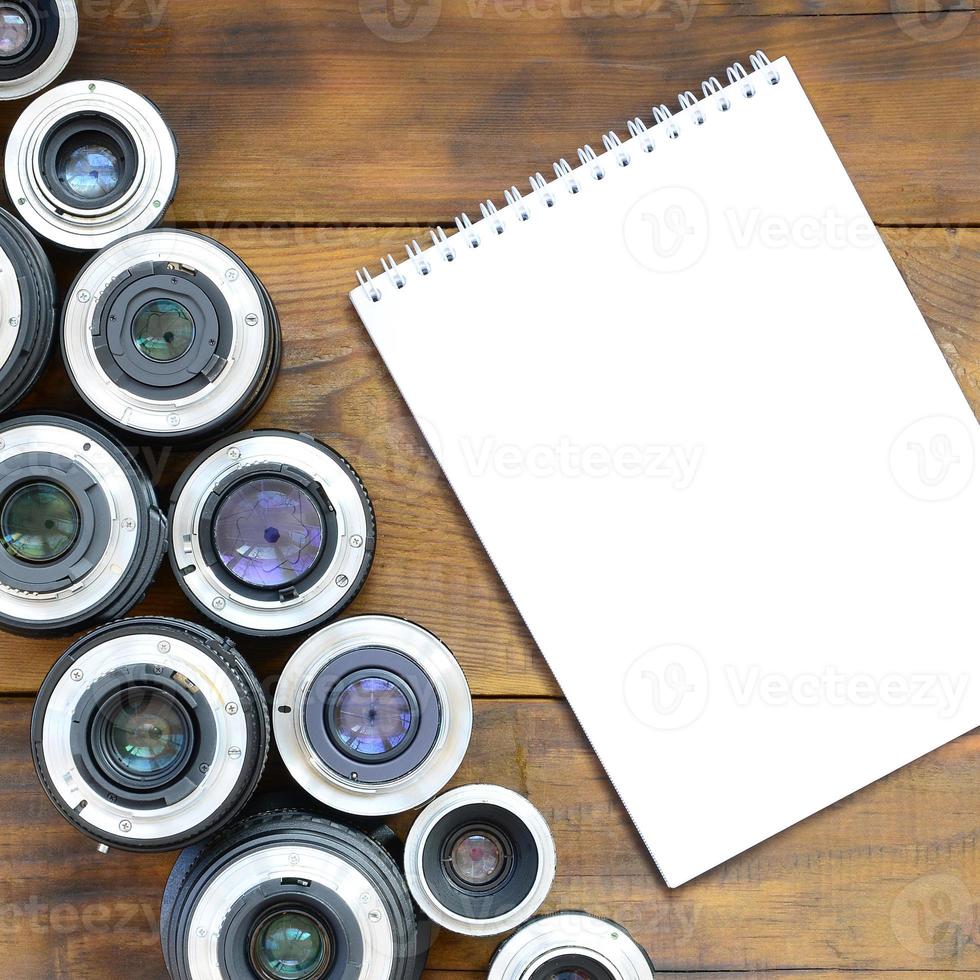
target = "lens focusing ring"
x: 218, y: 895
x: 120, y: 538
x: 83, y: 127
x: 28, y: 295
x: 53, y: 28
x: 570, y: 940
x: 226, y: 731
x: 528, y: 870
x: 396, y: 652
x: 329, y: 545
x: 227, y: 369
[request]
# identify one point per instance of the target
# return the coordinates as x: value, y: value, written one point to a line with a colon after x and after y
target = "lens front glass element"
x: 163, y: 330
x: 16, y: 30
x: 147, y: 733
x: 290, y: 945
x: 268, y: 532
x: 39, y: 522
x: 477, y: 858
x: 90, y: 165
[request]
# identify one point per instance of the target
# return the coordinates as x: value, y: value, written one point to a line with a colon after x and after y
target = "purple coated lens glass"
x: 372, y: 716
x: 268, y: 532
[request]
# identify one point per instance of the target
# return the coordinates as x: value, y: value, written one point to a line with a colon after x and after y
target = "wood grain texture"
x: 322, y: 112
x: 430, y: 566
x: 886, y: 880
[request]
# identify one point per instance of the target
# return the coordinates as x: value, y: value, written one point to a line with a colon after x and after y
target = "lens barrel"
x: 90, y: 162
x: 272, y: 533
x: 480, y: 860
x: 571, y: 946
x: 372, y: 715
x: 150, y: 733
x: 170, y: 336
x: 28, y: 295
x: 37, y: 38
x: 81, y: 535
x: 288, y: 894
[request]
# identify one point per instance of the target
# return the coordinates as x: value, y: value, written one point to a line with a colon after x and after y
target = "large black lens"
x: 268, y: 532
x: 290, y: 945
x: 39, y: 522
x: 16, y: 30
x: 147, y: 734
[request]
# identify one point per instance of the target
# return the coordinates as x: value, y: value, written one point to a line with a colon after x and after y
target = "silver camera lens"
x: 288, y: 895
x: 81, y: 536
x: 571, y: 946
x: 27, y: 299
x: 89, y: 162
x: 150, y: 733
x: 169, y: 335
x: 480, y: 860
x: 372, y: 715
x: 37, y: 38
x: 272, y: 533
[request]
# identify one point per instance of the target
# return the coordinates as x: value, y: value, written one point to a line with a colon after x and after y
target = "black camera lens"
x: 169, y: 335
x: 90, y: 162
x: 287, y: 895
x: 372, y: 715
x: 273, y: 533
x: 480, y: 860
x: 571, y: 946
x: 27, y: 301
x: 37, y: 38
x: 82, y: 536
x: 150, y: 733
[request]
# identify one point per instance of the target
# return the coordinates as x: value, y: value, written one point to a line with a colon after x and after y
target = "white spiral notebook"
x: 722, y: 467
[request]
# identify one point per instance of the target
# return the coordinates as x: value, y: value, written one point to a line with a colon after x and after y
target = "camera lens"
x: 287, y: 895
x: 373, y: 716
x: 571, y: 946
x: 37, y: 37
x: 480, y: 860
x: 272, y: 533
x: 90, y: 162
x: 150, y: 733
x: 82, y: 536
x: 27, y: 301
x: 169, y: 335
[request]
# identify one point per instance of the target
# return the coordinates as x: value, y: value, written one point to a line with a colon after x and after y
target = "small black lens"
x: 39, y: 522
x: 290, y: 944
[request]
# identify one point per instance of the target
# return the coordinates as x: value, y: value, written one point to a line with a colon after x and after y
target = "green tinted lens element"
x: 163, y: 330
x: 39, y: 522
x: 290, y: 945
x: 147, y: 734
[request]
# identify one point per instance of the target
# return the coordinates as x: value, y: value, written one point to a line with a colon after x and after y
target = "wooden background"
x: 316, y: 137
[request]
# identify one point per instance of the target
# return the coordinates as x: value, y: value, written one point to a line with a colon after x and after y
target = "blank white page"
x: 719, y: 462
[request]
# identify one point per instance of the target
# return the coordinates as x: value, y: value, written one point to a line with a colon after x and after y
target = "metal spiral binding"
x: 692, y: 111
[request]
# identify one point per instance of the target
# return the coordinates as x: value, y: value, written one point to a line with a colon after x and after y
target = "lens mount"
x: 58, y: 572
x: 372, y: 715
x: 272, y: 533
x: 49, y: 32
x: 169, y: 335
x: 90, y: 162
x: 222, y: 898
x: 149, y: 733
x: 28, y: 295
x: 567, y: 941
x: 523, y: 872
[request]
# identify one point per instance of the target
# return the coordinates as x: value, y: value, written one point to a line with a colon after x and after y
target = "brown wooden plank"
x: 308, y: 115
x: 430, y: 566
x: 886, y: 880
